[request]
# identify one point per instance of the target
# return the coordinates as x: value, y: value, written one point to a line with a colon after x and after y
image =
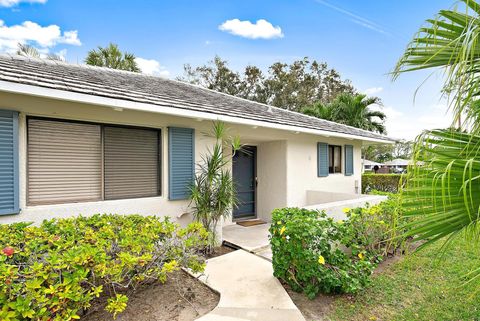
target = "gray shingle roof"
x: 142, y: 88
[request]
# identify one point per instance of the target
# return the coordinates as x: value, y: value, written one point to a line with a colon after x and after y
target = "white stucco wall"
x: 159, y: 205
x: 335, y: 210
x: 286, y: 162
x: 272, y: 177
x: 302, y: 169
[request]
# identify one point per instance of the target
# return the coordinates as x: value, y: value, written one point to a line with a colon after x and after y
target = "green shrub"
x: 377, y: 227
x: 54, y: 271
x: 389, y: 183
x: 313, y: 254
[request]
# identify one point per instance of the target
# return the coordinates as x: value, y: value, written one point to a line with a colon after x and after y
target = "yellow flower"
x: 282, y: 230
x: 361, y: 256
x: 346, y: 210
x: 321, y: 260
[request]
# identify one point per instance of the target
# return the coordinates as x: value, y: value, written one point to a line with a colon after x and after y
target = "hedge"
x: 54, y: 271
x: 388, y: 183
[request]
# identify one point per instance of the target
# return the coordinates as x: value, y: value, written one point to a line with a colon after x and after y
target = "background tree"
x: 112, y: 57
x: 30, y: 51
x: 383, y: 153
x: 320, y: 110
x: 444, y: 194
x: 289, y: 86
x: 351, y: 109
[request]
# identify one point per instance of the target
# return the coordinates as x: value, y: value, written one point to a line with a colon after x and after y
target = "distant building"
x: 368, y: 165
x: 398, y: 165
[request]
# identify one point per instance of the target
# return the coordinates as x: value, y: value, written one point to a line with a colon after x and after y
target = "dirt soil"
x: 318, y: 308
x: 221, y: 250
x: 181, y: 298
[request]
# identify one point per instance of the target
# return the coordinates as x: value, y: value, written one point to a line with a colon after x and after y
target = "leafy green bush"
x: 54, y: 271
x: 313, y: 254
x: 377, y: 228
x: 389, y: 183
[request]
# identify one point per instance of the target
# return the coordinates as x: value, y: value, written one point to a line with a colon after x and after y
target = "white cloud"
x: 373, y: 91
x: 261, y: 29
x: 152, y: 67
x: 11, y: 3
x: 35, y: 34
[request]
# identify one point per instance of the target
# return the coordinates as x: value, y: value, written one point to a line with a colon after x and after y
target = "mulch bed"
x: 221, y: 250
x: 181, y: 298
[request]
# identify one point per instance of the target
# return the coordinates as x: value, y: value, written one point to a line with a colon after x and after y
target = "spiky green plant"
x: 213, y: 193
x: 443, y: 191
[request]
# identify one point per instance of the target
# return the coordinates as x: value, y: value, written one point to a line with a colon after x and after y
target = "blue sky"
x: 361, y: 39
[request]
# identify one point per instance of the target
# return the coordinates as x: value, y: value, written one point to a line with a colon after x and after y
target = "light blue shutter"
x: 322, y: 159
x: 181, y: 162
x: 348, y: 160
x: 9, y: 162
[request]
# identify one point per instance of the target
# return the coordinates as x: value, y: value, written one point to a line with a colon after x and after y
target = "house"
x: 77, y: 139
x: 398, y: 165
x: 368, y: 165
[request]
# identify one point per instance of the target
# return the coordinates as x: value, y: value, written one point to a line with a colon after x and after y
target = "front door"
x: 245, y: 178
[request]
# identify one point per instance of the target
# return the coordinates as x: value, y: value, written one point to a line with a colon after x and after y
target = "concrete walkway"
x: 253, y: 239
x: 248, y: 290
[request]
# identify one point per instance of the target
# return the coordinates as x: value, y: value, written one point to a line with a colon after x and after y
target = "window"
x: 131, y: 158
x: 334, y: 159
x: 75, y: 162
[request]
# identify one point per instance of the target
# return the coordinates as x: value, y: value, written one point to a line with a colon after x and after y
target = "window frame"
x: 159, y: 132
x: 331, y: 155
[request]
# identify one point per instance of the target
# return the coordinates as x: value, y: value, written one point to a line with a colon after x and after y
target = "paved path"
x: 248, y: 290
x: 253, y: 239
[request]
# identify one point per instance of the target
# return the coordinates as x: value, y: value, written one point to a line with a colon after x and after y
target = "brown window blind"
x: 64, y: 162
x: 131, y: 158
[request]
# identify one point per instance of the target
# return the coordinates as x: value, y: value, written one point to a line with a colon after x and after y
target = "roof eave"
x: 43, y: 92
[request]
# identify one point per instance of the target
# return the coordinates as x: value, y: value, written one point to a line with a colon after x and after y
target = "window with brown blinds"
x: 77, y: 162
x: 131, y: 162
x: 64, y: 162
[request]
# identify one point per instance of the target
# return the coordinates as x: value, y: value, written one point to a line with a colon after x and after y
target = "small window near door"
x: 334, y: 159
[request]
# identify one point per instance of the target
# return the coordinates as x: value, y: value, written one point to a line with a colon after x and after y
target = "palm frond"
x: 449, y: 43
x: 442, y: 191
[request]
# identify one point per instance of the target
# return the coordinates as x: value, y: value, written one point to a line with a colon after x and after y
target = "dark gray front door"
x: 244, y: 177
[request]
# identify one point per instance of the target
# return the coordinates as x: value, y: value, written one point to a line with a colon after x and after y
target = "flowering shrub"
x: 377, y: 227
x: 54, y: 271
x: 313, y: 254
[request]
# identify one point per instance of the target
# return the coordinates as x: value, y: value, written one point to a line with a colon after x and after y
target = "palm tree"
x: 30, y: 51
x: 319, y: 110
x: 443, y: 195
x: 353, y: 110
x: 112, y: 57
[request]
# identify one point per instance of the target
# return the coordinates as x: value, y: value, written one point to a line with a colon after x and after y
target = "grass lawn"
x: 421, y: 286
